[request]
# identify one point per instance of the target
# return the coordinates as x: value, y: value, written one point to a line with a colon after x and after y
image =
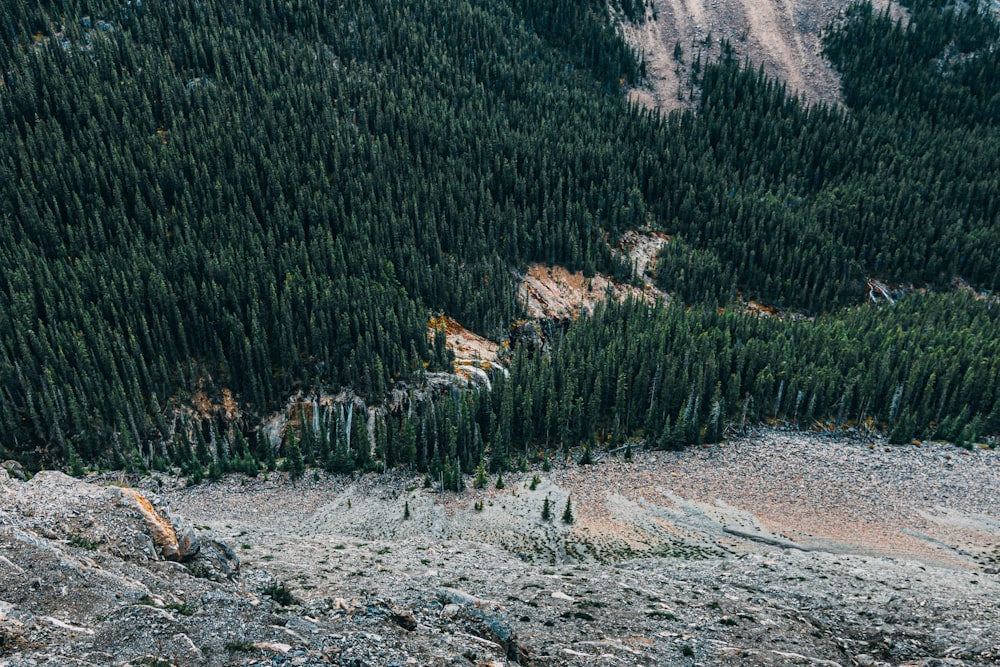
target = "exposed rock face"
x: 83, y: 575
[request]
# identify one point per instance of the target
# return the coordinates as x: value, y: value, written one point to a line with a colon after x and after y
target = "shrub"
x: 280, y: 593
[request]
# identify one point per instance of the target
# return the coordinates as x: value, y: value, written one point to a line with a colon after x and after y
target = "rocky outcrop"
x: 161, y: 529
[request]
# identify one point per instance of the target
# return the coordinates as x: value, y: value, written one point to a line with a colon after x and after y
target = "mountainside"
x: 700, y: 299
x: 209, y: 209
x: 775, y: 550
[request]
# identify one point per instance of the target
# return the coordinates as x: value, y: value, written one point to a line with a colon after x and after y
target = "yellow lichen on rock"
x: 162, y: 530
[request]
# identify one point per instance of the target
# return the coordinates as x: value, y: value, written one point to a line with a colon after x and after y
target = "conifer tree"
x: 567, y: 516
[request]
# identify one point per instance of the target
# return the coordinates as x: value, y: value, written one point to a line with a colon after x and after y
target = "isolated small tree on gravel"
x: 546, y: 510
x: 481, y: 478
x: 567, y: 516
x: 500, y: 483
x: 295, y: 465
x: 406, y: 510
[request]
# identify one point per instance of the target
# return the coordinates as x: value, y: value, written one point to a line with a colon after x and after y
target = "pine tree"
x: 294, y: 464
x: 546, y: 510
x: 567, y: 516
x: 481, y: 476
x: 406, y: 511
x: 75, y: 462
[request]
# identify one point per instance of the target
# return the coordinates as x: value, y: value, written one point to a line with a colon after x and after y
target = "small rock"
x: 301, y: 625
x: 403, y: 618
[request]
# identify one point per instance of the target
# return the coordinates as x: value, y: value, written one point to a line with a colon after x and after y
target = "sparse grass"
x: 280, y: 593
x: 153, y: 661
x: 242, y: 646
x: 182, y: 608
x: 82, y: 542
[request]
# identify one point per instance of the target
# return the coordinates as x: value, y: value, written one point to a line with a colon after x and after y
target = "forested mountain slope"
x: 264, y: 197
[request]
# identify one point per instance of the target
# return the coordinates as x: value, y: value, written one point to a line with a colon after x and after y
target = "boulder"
x: 14, y: 469
x: 160, y: 528
x: 188, y: 543
x: 214, y: 560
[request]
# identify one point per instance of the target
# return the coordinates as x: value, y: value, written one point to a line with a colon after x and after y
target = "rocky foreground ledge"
x: 736, y: 555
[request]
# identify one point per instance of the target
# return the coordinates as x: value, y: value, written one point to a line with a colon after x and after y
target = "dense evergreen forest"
x: 266, y: 197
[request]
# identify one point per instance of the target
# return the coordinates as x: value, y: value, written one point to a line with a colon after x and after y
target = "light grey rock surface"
x: 327, y: 571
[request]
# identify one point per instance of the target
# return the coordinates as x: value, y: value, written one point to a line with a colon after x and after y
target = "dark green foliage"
x: 280, y: 593
x: 500, y: 483
x: 75, y: 462
x: 294, y: 463
x: 211, y: 196
x: 546, y: 509
x: 481, y: 477
x: 82, y: 542
x: 926, y: 367
x: 567, y: 515
x: 406, y: 511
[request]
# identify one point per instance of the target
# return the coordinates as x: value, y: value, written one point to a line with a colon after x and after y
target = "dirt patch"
x: 555, y: 293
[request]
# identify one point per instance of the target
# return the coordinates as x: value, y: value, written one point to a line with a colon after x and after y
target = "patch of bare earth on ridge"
x: 781, y: 35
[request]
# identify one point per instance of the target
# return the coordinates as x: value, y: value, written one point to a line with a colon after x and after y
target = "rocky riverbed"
x: 779, y: 549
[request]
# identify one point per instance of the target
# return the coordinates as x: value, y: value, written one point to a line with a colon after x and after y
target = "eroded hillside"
x: 778, y: 549
x: 781, y: 35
